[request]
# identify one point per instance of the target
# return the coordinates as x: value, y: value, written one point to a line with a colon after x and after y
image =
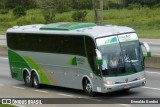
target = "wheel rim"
x: 28, y: 79
x: 88, y: 87
x: 35, y: 81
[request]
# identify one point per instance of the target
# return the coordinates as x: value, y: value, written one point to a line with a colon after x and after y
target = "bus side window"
x: 90, y: 50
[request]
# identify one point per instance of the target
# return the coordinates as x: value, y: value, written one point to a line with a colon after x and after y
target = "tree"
x: 57, y: 5
x: 79, y: 16
x: 81, y: 4
x: 114, y: 4
x: 148, y: 3
x: 50, y: 7
x: 19, y: 11
x: 2, y: 4
x: 14, y: 3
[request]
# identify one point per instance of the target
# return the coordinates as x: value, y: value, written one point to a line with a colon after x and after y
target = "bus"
x: 81, y: 56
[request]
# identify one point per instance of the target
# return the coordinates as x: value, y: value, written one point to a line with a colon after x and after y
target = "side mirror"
x: 147, y: 48
x: 99, y: 57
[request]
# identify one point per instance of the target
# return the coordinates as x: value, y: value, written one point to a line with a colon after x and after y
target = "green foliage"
x: 148, y: 3
x: 81, y: 4
x: 148, y: 33
x: 62, y: 5
x: 34, y: 16
x: 6, y: 105
x: 2, y: 4
x: 64, y: 17
x: 79, y: 16
x: 156, y: 5
x: 4, y: 11
x: 6, y: 18
x: 48, y: 15
x: 66, y: 5
x: 134, y: 6
x: 114, y: 4
x: 27, y: 4
x: 19, y: 11
x: 144, y: 18
x: 58, y: 6
x: 146, y: 21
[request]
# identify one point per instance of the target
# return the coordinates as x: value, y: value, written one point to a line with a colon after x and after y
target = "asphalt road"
x: 153, y: 43
x: 2, y: 40
x: 10, y: 88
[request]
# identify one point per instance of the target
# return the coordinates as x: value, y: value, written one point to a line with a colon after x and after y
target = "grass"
x: 145, y: 21
x: 6, y: 105
x: 3, y: 31
x: 151, y: 34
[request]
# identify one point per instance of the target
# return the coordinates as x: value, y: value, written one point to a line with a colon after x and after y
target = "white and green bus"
x: 77, y: 55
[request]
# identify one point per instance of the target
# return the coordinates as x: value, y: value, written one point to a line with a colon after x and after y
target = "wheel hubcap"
x: 35, y: 81
x: 88, y: 87
x: 27, y: 78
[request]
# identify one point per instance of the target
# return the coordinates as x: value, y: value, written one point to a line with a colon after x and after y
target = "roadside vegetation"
x: 143, y: 17
x: 6, y: 105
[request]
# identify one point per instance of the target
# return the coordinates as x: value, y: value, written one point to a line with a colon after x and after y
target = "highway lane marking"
x: 152, y: 88
x: 153, y: 72
x: 3, y: 58
x: 18, y: 87
x: 93, y: 99
x: 18, y: 105
x: 67, y: 95
x: 1, y: 84
x: 125, y: 105
x: 41, y: 91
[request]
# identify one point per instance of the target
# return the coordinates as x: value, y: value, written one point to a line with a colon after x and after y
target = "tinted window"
x: 47, y: 43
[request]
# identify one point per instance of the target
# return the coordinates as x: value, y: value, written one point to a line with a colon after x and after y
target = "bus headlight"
x: 109, y: 82
x: 141, y: 77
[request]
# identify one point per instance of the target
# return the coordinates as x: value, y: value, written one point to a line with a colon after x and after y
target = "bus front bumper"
x: 123, y: 86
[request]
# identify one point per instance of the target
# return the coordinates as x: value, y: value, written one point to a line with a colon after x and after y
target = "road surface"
x: 2, y: 40
x: 10, y: 88
x: 154, y: 44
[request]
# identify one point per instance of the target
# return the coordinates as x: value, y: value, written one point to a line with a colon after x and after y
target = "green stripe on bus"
x: 34, y: 65
x: 16, y: 62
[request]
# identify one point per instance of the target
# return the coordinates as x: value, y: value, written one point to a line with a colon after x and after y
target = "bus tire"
x: 126, y: 90
x: 27, y: 79
x: 87, y: 87
x: 35, y: 79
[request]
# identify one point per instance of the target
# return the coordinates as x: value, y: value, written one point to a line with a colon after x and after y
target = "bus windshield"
x: 121, y: 54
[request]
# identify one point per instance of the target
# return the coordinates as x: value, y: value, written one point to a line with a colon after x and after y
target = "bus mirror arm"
x: 99, y: 57
x: 147, y: 48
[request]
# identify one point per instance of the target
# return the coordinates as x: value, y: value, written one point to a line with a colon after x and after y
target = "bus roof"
x: 72, y: 28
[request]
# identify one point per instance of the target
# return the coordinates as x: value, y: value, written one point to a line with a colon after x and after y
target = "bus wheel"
x: 87, y: 87
x: 125, y: 90
x: 36, y: 83
x: 27, y: 79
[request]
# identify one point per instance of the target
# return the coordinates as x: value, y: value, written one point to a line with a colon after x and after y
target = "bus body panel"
x: 125, y: 82
x: 69, y: 69
x: 54, y: 69
x: 62, y: 73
